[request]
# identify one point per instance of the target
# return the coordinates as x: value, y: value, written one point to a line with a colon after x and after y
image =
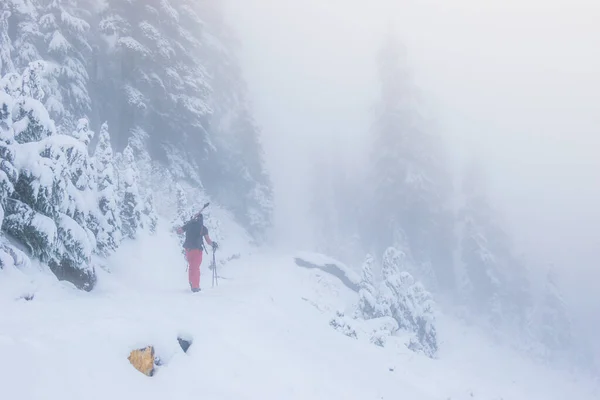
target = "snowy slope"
x: 262, y: 334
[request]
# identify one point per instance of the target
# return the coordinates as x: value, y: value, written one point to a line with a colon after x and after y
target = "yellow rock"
x: 143, y: 360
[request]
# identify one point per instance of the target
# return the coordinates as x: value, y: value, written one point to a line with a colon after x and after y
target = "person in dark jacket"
x: 195, y: 232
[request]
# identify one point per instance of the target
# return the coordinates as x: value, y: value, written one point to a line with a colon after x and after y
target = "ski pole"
x: 215, y: 276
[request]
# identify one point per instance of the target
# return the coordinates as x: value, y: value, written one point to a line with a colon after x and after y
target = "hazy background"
x: 516, y: 81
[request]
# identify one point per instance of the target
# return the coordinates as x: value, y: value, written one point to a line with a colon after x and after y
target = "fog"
x: 517, y: 82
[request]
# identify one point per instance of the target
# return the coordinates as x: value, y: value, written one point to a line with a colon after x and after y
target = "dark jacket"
x: 194, y: 234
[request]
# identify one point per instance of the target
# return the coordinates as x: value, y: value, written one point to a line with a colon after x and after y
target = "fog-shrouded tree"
x: 6, y: 46
x: 492, y: 281
x: 551, y: 323
x: 237, y: 174
x: 151, y: 64
x: 24, y: 32
x: 408, y: 183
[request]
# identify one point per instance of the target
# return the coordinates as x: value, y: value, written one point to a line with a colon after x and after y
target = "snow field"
x: 262, y: 334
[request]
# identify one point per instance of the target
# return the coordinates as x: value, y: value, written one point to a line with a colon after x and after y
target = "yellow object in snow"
x: 143, y: 360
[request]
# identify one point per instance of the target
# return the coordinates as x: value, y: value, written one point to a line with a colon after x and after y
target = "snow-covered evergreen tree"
x: 131, y: 202
x: 25, y: 32
x: 6, y: 47
x: 47, y: 201
x: 408, y: 181
x: 182, y: 203
x: 153, y: 69
x: 407, y: 301
x: 108, y: 231
x: 8, y: 172
x: 67, y: 51
x: 553, y: 322
x: 150, y: 68
x: 81, y: 184
x: 367, y: 296
x: 82, y: 132
x: 493, y: 282
x: 149, y: 219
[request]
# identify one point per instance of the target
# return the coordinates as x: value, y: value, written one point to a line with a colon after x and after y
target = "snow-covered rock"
x: 338, y: 269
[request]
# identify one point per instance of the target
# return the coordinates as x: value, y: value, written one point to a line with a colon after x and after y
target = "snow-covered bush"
x: 381, y: 329
x: 399, y: 303
x: 343, y: 324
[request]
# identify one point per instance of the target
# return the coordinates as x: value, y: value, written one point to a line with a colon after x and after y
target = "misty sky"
x: 516, y: 81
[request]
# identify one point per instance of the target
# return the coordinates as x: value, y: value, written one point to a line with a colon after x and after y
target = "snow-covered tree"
x: 8, y: 172
x: 493, y: 282
x: 25, y: 32
x: 108, y: 231
x: 82, y: 132
x: 131, y: 202
x: 156, y: 78
x: 6, y: 47
x: 48, y: 197
x: 67, y: 51
x: 408, y: 185
x: 367, y: 295
x: 81, y: 183
x: 553, y: 322
x: 407, y: 301
x: 182, y: 203
x: 149, y: 217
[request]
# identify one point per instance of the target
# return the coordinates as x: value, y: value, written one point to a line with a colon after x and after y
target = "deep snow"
x: 262, y: 334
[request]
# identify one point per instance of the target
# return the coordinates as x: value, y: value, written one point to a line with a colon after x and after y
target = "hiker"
x: 195, y: 231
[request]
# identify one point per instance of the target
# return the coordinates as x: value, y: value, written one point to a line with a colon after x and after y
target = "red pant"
x: 194, y: 258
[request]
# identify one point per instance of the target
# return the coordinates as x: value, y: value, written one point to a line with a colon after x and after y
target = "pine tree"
x: 147, y: 37
x: 149, y: 217
x: 554, y: 325
x: 407, y: 301
x: 67, y: 49
x: 8, y: 172
x: 49, y: 183
x: 108, y: 232
x: 408, y: 181
x: 367, y: 296
x: 494, y: 283
x: 6, y: 47
x: 183, y: 213
x: 131, y: 205
x: 81, y: 189
x: 138, y: 141
x: 23, y: 19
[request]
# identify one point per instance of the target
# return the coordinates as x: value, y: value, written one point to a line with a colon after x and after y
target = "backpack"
x: 195, y: 233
